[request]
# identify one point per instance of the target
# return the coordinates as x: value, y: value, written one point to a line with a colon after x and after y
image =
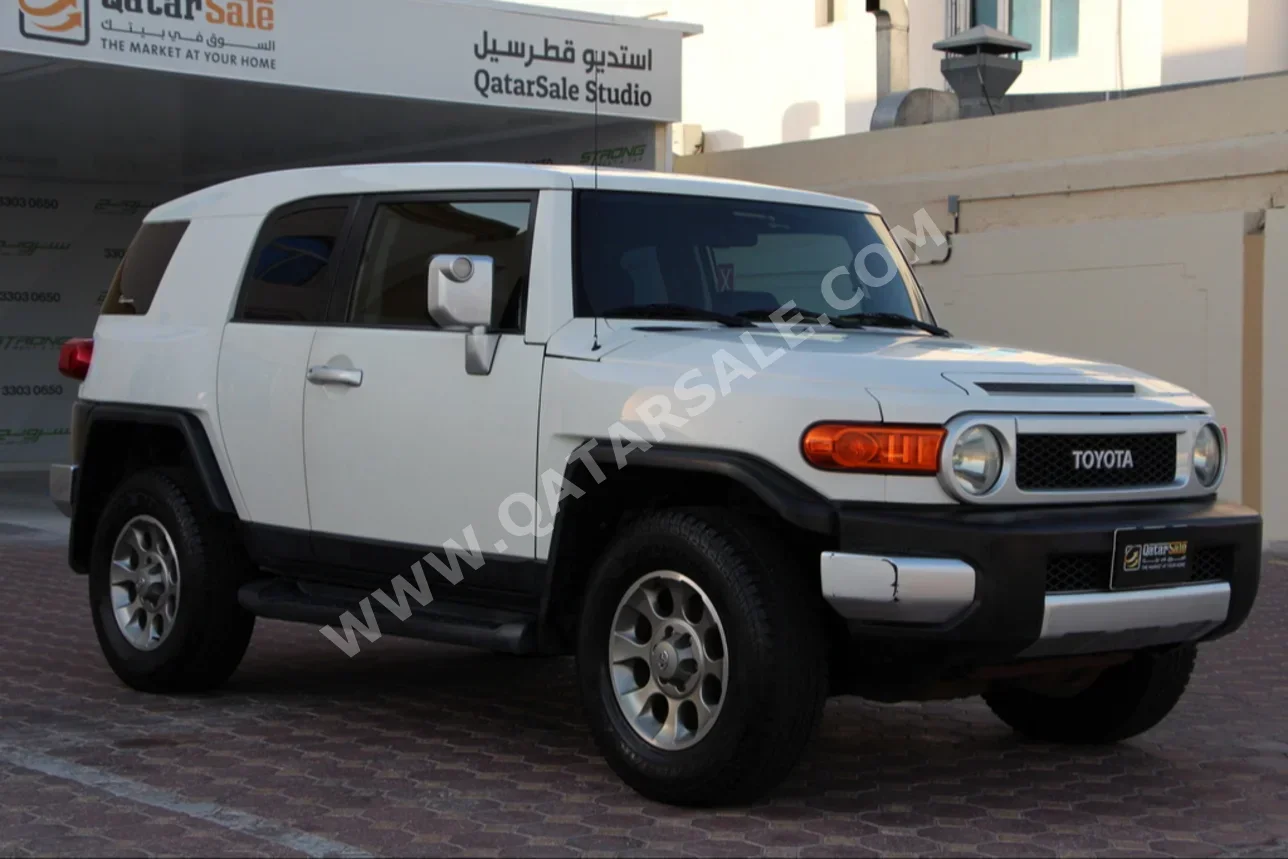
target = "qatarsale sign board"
x: 439, y: 50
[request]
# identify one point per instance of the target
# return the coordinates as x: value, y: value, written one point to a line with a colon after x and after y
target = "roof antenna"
x: 594, y: 160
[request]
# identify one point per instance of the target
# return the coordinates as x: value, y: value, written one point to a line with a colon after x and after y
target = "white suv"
x: 705, y: 435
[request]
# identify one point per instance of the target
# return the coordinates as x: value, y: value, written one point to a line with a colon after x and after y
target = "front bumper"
x: 62, y: 487
x: 975, y: 586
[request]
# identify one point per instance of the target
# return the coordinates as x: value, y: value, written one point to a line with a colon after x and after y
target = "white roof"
x: 261, y: 193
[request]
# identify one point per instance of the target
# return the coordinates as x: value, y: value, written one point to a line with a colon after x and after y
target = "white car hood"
x: 915, y: 377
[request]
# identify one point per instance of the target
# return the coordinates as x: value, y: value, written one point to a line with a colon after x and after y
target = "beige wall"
x: 1254, y: 276
x: 1007, y: 155
x: 926, y: 25
x: 1128, y: 231
x: 1274, y: 418
x: 1203, y: 40
x: 1267, y: 49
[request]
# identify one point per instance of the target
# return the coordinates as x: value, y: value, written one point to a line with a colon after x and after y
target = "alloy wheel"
x: 144, y: 583
x: 668, y: 660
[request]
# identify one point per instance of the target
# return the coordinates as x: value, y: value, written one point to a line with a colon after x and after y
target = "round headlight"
x: 977, y: 460
x: 1207, y: 456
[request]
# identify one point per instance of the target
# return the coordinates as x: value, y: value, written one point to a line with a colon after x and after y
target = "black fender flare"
x: 89, y: 417
x: 187, y: 424
x: 796, y: 503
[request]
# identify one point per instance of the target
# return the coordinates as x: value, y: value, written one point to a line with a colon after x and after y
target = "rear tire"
x: 163, y: 580
x: 745, y: 620
x: 1124, y: 701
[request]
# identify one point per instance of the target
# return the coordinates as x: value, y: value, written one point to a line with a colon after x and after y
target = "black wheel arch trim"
x: 788, y: 497
x: 194, y: 437
x: 195, y: 440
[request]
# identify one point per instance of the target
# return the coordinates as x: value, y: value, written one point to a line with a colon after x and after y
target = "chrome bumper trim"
x: 895, y: 588
x: 62, y: 486
x: 1128, y: 620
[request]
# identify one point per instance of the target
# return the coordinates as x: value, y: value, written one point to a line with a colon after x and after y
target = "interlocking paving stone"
x: 413, y: 749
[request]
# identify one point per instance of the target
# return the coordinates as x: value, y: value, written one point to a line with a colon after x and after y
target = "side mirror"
x: 460, y: 290
x: 459, y: 295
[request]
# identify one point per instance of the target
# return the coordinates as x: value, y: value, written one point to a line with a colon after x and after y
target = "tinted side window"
x: 292, y: 267
x: 391, y: 282
x: 140, y: 272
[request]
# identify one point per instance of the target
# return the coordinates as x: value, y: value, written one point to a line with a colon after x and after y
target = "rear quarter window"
x: 292, y: 266
x: 140, y: 272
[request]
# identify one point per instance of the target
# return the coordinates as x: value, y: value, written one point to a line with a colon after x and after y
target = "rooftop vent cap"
x: 978, y: 67
x: 982, y: 39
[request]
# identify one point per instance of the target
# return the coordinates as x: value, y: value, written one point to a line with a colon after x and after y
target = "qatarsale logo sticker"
x: 55, y: 20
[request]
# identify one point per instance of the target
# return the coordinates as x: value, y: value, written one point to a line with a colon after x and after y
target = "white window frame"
x: 957, y: 15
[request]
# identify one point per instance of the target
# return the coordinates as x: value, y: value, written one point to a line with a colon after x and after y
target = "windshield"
x: 736, y: 257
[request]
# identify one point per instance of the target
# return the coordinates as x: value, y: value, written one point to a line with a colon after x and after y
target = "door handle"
x: 324, y: 375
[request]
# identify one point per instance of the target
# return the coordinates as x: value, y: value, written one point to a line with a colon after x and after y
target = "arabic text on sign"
x: 565, y: 52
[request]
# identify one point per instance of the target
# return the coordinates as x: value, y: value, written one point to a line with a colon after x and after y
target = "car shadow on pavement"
x: 434, y: 701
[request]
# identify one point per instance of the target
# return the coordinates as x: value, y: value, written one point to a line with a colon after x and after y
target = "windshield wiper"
x: 889, y: 320
x: 677, y: 311
x: 761, y: 314
x: 849, y: 320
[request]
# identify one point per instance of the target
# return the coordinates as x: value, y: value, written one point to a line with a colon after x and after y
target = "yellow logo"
x: 55, y: 20
x: 1131, y: 558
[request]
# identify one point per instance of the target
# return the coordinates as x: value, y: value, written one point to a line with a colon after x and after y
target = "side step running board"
x: 449, y: 623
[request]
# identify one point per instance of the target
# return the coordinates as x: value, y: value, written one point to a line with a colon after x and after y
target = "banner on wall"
x: 60, y: 244
x: 629, y: 145
x: 439, y: 50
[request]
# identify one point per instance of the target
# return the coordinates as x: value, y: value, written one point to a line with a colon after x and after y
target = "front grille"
x: 1047, y: 462
x: 1212, y: 565
x: 1090, y: 572
x: 1071, y: 573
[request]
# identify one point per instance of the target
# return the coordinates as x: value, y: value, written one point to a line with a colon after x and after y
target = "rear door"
x: 404, y: 446
x: 286, y: 293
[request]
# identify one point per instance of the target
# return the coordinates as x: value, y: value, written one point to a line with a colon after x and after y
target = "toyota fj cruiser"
x: 705, y: 435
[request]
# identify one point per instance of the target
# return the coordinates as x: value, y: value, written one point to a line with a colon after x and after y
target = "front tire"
x: 1124, y: 701
x: 701, y: 658
x: 163, y: 583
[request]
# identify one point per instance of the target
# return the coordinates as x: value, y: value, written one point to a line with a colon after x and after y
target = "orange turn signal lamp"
x: 874, y: 448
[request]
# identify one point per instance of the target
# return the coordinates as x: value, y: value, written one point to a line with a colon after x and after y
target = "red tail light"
x: 73, y: 360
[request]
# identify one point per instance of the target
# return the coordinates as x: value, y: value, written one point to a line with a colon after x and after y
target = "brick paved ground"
x: 415, y: 749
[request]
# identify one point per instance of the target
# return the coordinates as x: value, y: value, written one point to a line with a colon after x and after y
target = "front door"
x: 401, y: 445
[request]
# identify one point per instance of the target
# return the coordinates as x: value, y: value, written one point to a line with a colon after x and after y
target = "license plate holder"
x: 1151, y: 557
